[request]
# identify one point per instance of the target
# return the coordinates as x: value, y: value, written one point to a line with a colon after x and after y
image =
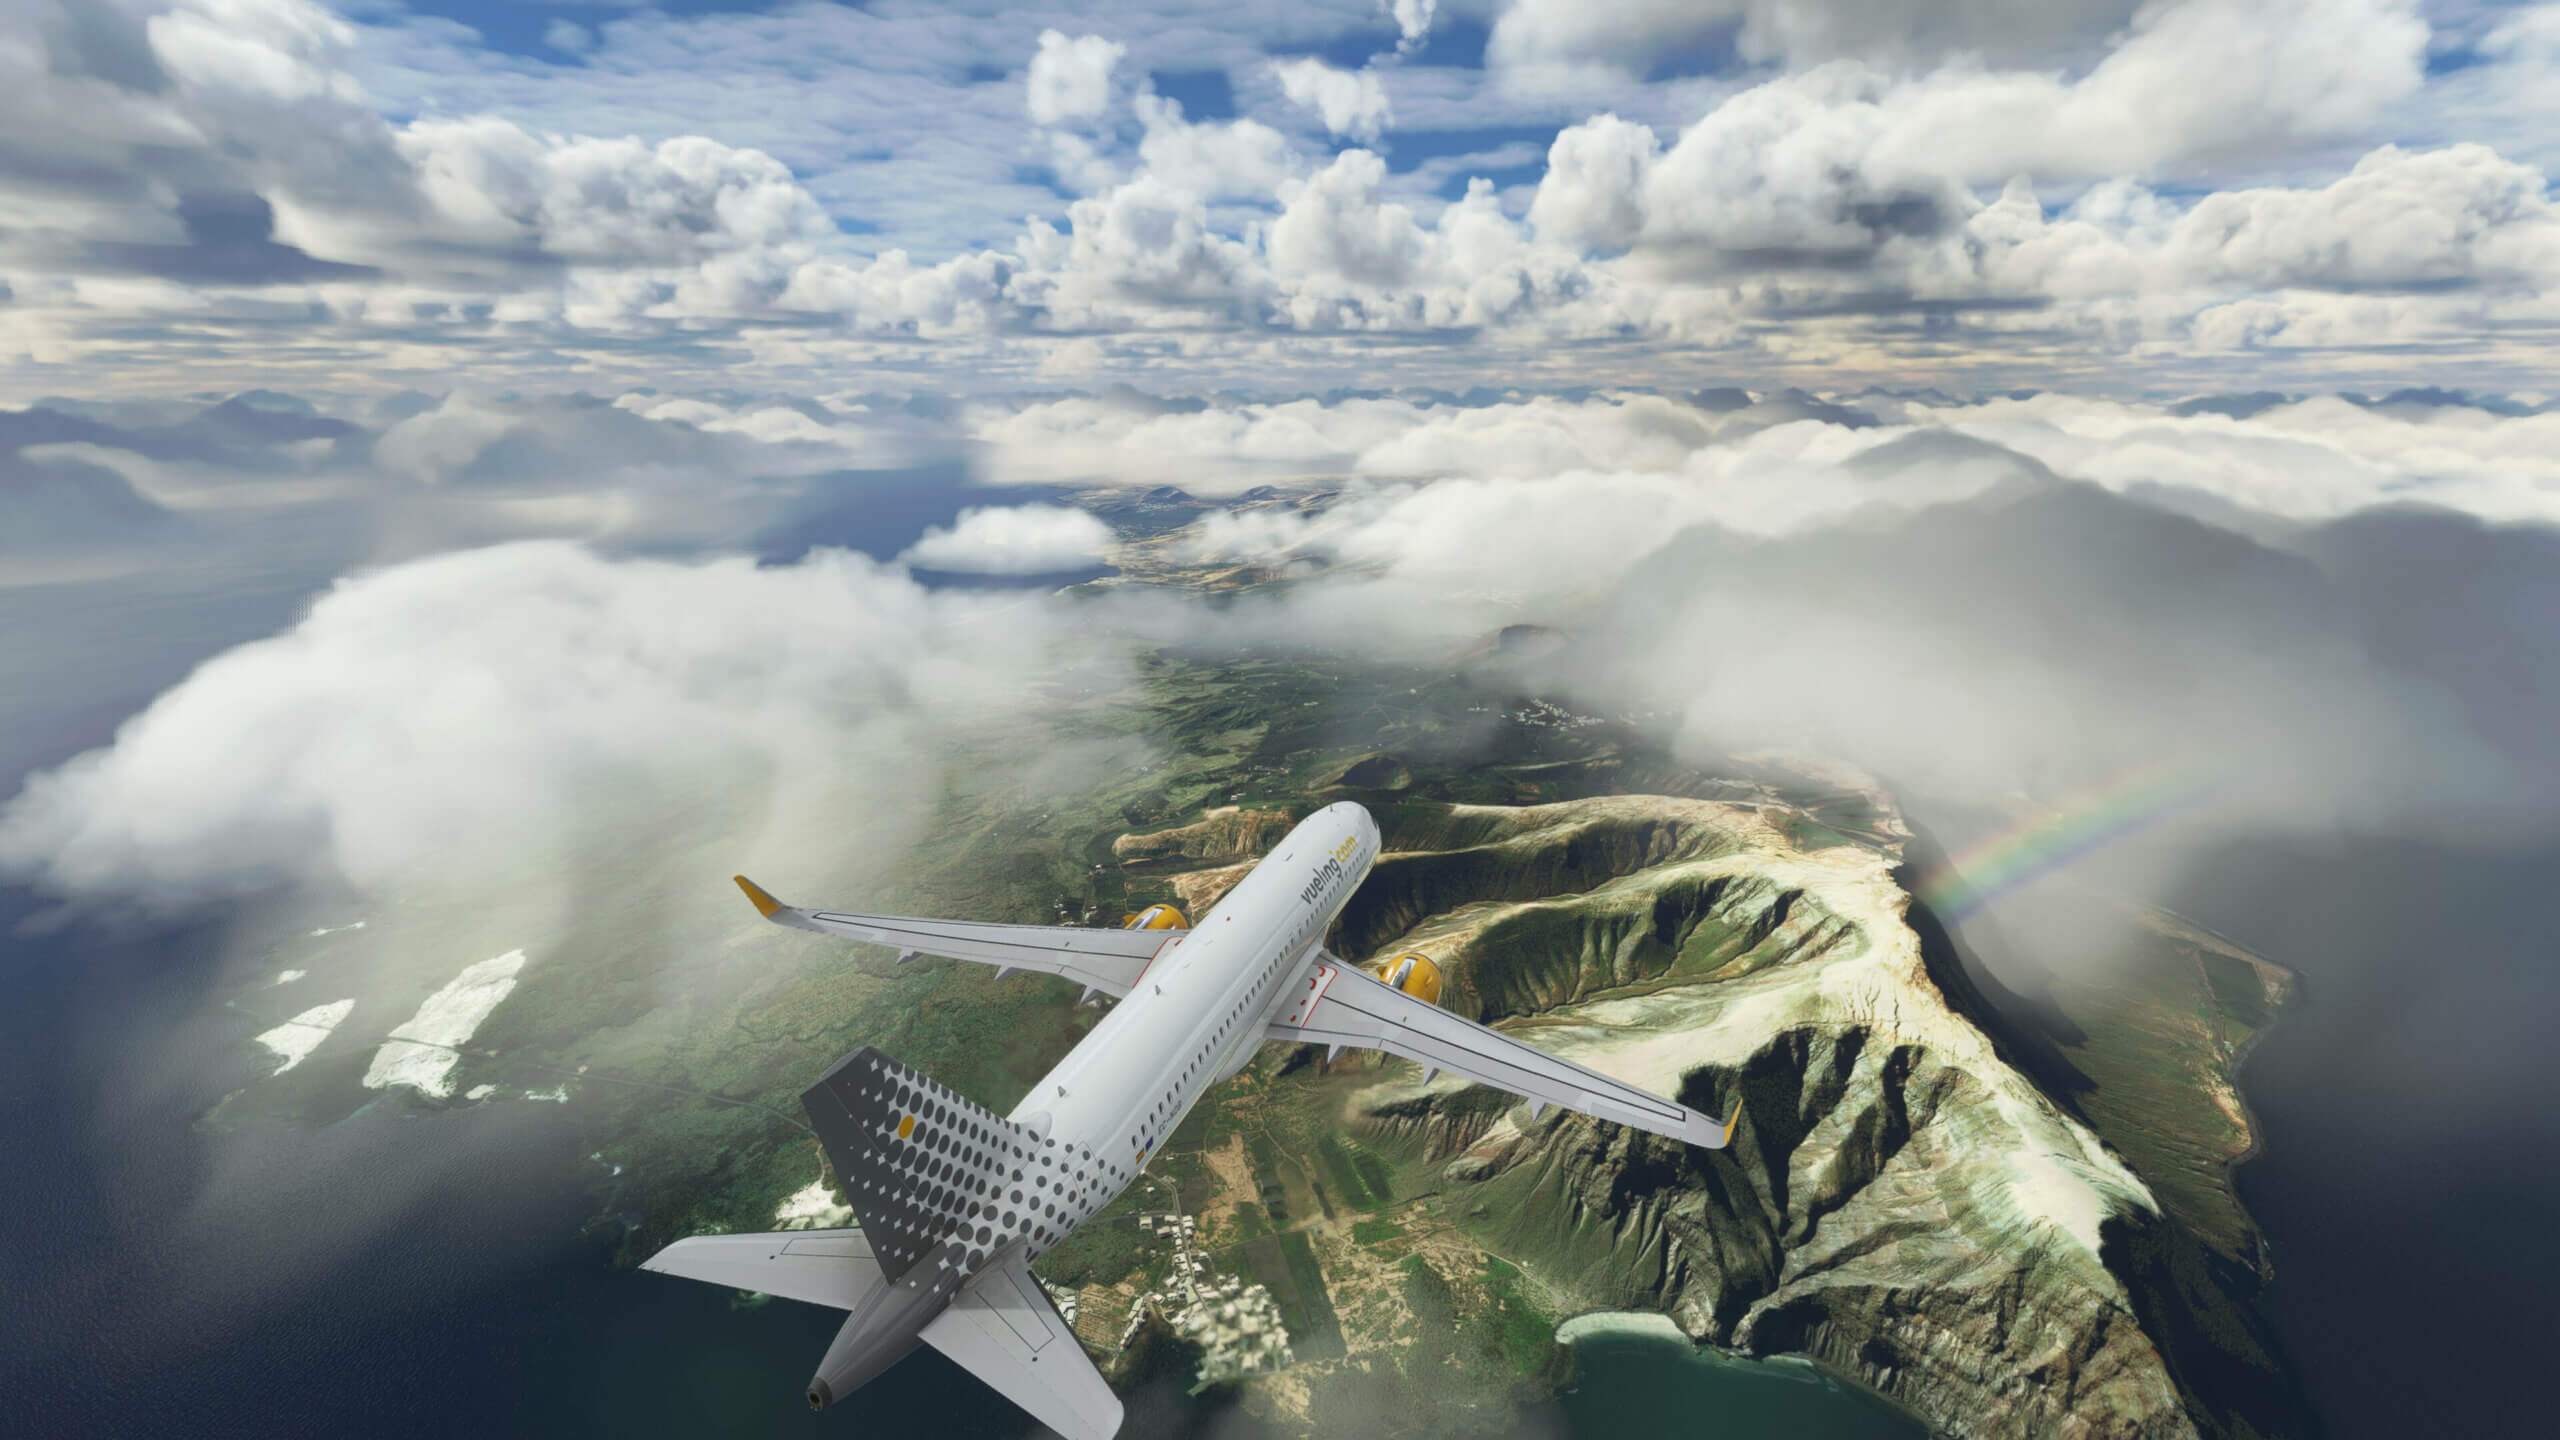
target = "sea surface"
x: 1627, y: 1384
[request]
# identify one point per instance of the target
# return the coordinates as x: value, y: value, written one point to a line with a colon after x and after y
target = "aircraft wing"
x: 1341, y: 1005
x: 1002, y: 1329
x: 1105, y: 960
x: 822, y: 1267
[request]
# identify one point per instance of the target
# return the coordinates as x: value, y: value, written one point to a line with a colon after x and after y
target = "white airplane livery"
x: 955, y: 1201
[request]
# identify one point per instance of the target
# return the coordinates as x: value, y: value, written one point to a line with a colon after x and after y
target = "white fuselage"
x: 1199, y: 1010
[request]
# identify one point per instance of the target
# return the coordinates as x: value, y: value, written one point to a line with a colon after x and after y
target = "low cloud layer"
x: 1646, y: 521
x: 451, y: 725
x: 1775, y: 459
x: 1013, y: 540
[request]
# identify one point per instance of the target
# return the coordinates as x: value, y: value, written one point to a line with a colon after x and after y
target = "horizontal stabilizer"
x: 822, y: 1267
x: 1002, y: 1329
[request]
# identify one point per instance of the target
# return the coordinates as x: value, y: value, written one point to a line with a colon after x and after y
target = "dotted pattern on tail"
x: 920, y: 1165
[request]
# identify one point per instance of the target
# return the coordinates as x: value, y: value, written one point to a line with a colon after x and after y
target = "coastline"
x: 1653, y: 1325
x: 2296, y: 993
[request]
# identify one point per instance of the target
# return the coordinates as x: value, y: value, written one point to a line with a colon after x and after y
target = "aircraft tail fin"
x: 919, y: 1164
x: 1002, y: 1329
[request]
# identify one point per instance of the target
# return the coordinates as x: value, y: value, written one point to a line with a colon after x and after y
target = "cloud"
x: 1563, y: 44
x: 1842, y: 158
x: 1013, y: 540
x: 451, y: 721
x: 1413, y: 21
x: 1855, y: 185
x: 1592, y: 196
x: 1965, y: 617
x: 1070, y: 79
x: 449, y: 725
x: 1350, y: 102
x: 605, y: 202
x: 180, y: 133
x: 1774, y: 463
x: 1218, y: 160
x: 1349, y: 257
x: 1146, y: 253
x: 2460, y: 215
x: 2038, y: 640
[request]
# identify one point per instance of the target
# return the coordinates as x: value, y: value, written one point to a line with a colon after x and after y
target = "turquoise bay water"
x: 1631, y: 1384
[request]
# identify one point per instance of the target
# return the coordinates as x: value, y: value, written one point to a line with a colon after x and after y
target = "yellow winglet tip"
x: 1728, y: 1127
x: 765, y: 904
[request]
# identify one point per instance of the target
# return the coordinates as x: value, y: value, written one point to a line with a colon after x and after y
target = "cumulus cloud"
x: 1070, y: 78
x: 1845, y: 157
x: 596, y: 201
x: 120, y: 116
x: 1592, y: 196
x: 1013, y: 540
x: 1413, y: 20
x: 2458, y: 215
x: 1216, y: 160
x: 226, y: 143
x: 1146, y: 253
x: 2046, y: 183
x: 1350, y: 102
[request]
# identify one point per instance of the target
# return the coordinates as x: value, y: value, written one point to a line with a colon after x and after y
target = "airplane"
x: 955, y: 1201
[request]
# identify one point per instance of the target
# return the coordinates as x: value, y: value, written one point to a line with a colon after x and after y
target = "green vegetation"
x: 1376, y: 1231
x: 1102, y: 1251
x: 1286, y: 1264
x: 1251, y: 1222
x: 1427, y: 1297
x: 1359, y: 1178
x: 2160, y: 1029
x: 1265, y: 1160
x: 1512, y: 1326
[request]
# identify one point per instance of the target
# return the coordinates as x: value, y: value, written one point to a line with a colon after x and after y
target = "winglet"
x: 1727, y: 1138
x: 765, y: 904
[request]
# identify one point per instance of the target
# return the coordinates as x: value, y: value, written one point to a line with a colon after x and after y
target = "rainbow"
x: 2039, y: 844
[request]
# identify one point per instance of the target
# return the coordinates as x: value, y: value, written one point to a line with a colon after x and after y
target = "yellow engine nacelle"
x: 1155, y: 917
x: 1415, y: 975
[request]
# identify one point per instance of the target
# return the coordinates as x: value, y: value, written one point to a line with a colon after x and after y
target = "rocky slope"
x: 1904, y: 1201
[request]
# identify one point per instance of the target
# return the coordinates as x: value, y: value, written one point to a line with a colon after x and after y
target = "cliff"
x: 1918, y: 1195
